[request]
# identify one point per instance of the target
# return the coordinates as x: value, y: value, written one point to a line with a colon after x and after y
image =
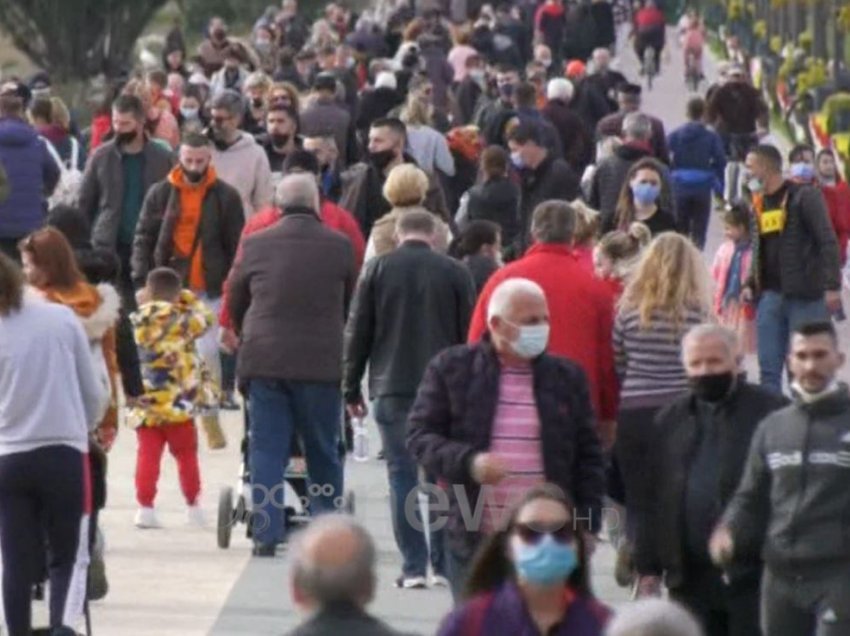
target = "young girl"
x: 731, y: 267
x: 617, y: 253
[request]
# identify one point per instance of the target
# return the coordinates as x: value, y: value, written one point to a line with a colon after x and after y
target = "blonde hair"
x: 670, y: 278
x: 587, y: 223
x: 416, y: 112
x: 59, y: 113
x: 406, y: 185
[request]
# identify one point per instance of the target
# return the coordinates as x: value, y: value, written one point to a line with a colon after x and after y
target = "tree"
x: 77, y: 39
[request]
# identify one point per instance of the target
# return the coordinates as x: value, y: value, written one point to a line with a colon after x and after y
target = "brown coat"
x: 288, y: 298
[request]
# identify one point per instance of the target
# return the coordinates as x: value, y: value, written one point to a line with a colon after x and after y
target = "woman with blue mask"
x: 531, y: 577
x: 641, y: 198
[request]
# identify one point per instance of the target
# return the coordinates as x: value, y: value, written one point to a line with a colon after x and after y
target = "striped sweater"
x: 649, y: 360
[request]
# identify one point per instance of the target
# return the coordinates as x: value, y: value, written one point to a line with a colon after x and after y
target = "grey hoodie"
x: 795, y: 492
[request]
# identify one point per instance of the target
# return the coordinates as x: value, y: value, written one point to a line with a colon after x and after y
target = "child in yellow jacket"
x: 166, y: 327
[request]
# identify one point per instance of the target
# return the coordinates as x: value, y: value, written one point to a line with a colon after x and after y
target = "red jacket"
x: 837, y: 199
x: 581, y: 314
x: 333, y: 217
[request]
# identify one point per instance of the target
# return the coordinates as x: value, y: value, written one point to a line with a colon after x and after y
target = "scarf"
x: 732, y: 288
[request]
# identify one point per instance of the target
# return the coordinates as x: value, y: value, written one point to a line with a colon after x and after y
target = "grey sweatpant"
x: 805, y: 606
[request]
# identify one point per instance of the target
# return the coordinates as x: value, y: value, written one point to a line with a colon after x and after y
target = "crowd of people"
x: 468, y: 207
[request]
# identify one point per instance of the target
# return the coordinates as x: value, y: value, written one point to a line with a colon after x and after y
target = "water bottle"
x: 360, y: 445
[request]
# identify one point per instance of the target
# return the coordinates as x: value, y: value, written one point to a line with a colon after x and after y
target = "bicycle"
x: 693, y: 73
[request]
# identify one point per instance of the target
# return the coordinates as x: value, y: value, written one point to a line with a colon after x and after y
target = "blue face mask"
x: 645, y: 193
x: 546, y: 562
x: 803, y: 171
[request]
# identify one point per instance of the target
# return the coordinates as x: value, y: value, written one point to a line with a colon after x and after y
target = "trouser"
x: 457, y: 571
x: 806, y: 606
x: 278, y: 408
x: 182, y: 442
x: 693, y: 211
x: 9, y: 247
x: 44, y: 494
x: 723, y: 609
x: 126, y: 351
x: 208, y: 350
x: 634, y: 428
x: 391, y: 415
x: 776, y: 318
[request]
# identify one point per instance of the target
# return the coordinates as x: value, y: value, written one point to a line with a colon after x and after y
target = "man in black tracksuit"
x: 794, y: 497
x: 700, y: 446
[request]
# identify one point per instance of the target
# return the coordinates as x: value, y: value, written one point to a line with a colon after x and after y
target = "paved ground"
x: 176, y: 582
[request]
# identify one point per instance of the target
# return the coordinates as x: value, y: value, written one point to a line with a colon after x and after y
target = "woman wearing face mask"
x: 531, y: 577
x: 640, y: 199
x: 191, y: 117
x: 667, y: 295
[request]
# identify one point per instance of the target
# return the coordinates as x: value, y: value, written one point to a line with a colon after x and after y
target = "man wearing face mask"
x: 699, y: 448
x: 191, y: 222
x: 362, y: 184
x: 793, y: 498
x: 507, y: 79
x: 117, y: 177
x: 470, y: 89
x: 796, y: 275
x: 604, y: 78
x: 474, y: 404
x: 211, y: 51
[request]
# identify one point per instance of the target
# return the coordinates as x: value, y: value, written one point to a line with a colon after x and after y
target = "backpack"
x: 67, y: 191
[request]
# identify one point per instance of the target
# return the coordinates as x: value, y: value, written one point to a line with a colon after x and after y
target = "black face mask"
x: 382, y: 158
x: 257, y: 102
x: 279, y: 140
x: 713, y: 387
x: 193, y: 176
x: 124, y: 138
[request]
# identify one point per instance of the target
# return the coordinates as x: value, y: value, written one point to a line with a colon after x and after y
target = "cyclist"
x: 737, y: 111
x: 693, y: 41
x: 649, y: 30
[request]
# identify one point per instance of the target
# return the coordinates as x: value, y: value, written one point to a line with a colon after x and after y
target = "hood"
x: 16, y: 132
x: 633, y: 151
x: 178, y: 179
x: 692, y: 131
x: 97, y: 307
x: 54, y: 133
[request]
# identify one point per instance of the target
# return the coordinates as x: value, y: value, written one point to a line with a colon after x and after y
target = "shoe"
x: 229, y: 403
x: 438, y: 580
x: 146, y: 519
x: 264, y: 550
x: 196, y: 517
x: 411, y: 582
x: 215, y: 436
x: 624, y: 571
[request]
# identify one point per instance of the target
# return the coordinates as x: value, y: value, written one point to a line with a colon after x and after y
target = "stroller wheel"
x: 226, y: 517
x: 348, y: 504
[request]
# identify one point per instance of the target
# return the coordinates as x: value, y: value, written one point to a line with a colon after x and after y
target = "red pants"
x: 182, y: 440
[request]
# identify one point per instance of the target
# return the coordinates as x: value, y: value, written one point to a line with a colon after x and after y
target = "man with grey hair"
x: 582, y: 307
x: 610, y: 175
x: 697, y: 457
x: 238, y: 159
x: 333, y: 577
x: 494, y: 418
x: 655, y: 617
x: 291, y: 350
x: 575, y: 139
x: 410, y: 304
x: 629, y: 100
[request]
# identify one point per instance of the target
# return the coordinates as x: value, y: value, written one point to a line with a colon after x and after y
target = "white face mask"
x: 532, y: 340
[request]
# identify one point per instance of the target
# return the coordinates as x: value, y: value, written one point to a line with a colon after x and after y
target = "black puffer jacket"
x: 452, y: 420
x: 496, y: 200
x: 660, y: 545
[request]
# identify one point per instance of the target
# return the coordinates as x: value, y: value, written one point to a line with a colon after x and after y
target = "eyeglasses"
x: 532, y: 533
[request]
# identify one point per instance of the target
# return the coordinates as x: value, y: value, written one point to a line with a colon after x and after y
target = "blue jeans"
x: 279, y: 408
x: 777, y: 317
x: 391, y: 415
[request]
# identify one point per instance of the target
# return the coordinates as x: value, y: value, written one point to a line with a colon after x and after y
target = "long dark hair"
x: 625, y: 214
x: 491, y: 566
x: 11, y: 286
x: 52, y: 254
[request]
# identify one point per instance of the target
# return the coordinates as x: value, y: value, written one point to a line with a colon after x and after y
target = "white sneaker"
x: 411, y: 582
x: 146, y: 518
x: 196, y: 516
x: 438, y: 580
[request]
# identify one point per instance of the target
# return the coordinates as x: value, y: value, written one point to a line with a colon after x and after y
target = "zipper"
x: 804, y: 474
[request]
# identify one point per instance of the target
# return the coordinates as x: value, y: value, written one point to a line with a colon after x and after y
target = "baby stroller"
x: 234, y: 503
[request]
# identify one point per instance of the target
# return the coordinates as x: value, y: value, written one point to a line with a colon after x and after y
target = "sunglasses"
x: 532, y: 533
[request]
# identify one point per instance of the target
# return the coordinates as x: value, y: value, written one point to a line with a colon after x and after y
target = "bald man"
x: 333, y: 578
x: 494, y: 418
